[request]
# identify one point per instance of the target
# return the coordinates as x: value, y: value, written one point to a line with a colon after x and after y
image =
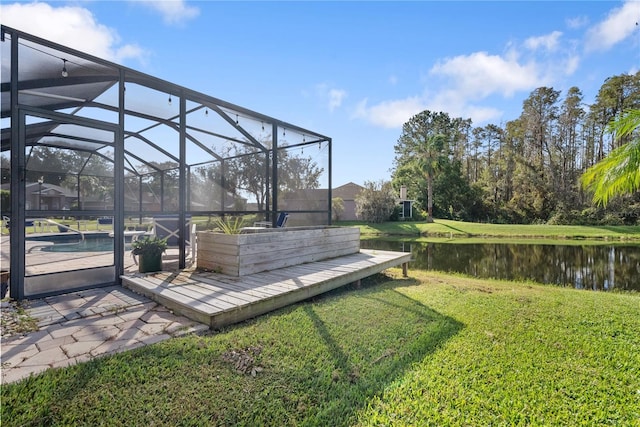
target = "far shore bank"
x: 449, y: 229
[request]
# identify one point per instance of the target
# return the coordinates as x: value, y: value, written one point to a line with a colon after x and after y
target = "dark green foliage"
x: 526, y: 171
x: 5, y: 201
x: 376, y: 203
x: 454, y: 198
x: 148, y: 245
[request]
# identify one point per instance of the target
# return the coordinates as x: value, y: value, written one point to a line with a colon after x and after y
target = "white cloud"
x: 457, y: 104
x: 394, y: 113
x: 548, y: 42
x: 479, y: 74
x: 460, y: 85
x: 73, y: 26
x: 463, y: 81
x: 577, y: 22
x: 335, y: 98
x: 389, y: 114
x: 480, y: 115
x: 174, y: 12
x: 393, y: 80
x: 620, y: 24
x: 571, y: 64
x: 332, y: 96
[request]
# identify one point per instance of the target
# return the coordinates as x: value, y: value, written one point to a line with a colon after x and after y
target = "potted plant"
x: 149, y: 250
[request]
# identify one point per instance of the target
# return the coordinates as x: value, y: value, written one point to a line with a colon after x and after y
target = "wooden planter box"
x: 270, y: 249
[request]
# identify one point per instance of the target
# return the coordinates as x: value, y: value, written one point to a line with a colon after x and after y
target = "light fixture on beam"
x: 65, y: 73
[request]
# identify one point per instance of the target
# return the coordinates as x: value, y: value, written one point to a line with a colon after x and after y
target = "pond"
x: 595, y: 266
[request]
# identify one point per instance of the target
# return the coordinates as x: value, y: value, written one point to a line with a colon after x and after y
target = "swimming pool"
x: 100, y: 244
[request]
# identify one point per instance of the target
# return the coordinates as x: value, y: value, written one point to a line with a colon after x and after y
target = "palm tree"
x: 619, y: 172
x: 429, y: 162
x: 423, y: 147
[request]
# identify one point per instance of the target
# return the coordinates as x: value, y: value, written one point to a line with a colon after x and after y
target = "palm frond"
x: 619, y: 172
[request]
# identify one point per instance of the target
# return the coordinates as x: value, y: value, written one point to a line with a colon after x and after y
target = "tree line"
x: 525, y: 171
x: 216, y: 185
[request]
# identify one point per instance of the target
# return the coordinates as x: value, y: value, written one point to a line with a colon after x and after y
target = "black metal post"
x: 274, y: 176
x: 182, y: 183
x: 40, y: 181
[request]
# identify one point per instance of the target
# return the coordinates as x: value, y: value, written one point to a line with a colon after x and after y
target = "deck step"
x: 218, y: 300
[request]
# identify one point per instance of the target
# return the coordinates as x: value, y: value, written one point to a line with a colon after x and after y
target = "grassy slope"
x: 448, y: 228
x: 433, y: 349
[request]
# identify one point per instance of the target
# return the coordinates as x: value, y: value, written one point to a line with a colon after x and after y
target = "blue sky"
x: 355, y: 71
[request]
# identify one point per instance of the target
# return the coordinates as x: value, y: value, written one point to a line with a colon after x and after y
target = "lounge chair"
x: 27, y: 222
x: 104, y: 221
x: 280, y: 222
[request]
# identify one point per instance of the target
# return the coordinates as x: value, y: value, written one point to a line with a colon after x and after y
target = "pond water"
x: 596, y: 267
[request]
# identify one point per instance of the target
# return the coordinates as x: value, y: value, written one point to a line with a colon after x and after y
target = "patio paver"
x: 81, y: 326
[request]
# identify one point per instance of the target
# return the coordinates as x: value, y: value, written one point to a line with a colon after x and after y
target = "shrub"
x: 5, y: 201
x: 376, y: 202
x: 337, y: 208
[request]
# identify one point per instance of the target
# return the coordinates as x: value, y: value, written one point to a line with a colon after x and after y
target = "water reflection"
x: 597, y: 267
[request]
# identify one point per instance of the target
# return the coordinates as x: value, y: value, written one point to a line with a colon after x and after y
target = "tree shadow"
x: 619, y: 229
x: 466, y: 233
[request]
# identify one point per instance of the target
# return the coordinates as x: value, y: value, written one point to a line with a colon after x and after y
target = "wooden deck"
x: 218, y: 300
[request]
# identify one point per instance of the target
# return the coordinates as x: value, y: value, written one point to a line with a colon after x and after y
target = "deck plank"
x: 219, y: 300
x: 207, y: 302
x: 263, y: 285
x: 219, y: 294
x: 244, y: 284
x: 240, y: 290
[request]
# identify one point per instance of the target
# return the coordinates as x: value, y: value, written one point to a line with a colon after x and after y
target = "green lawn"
x: 432, y: 349
x: 448, y: 228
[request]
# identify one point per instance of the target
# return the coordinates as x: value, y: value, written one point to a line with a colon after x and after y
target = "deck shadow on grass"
x: 409, y: 332
x: 357, y: 358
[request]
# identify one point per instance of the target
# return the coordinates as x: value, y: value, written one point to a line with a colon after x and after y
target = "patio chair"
x: 104, y: 221
x: 27, y: 222
x: 280, y: 222
x: 166, y: 226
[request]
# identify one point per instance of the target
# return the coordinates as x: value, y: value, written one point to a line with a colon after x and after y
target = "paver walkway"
x: 80, y: 326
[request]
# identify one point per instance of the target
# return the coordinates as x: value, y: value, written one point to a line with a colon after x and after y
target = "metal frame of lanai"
x: 123, y: 145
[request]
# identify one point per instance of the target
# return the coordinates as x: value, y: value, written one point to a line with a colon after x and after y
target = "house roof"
x: 44, y: 188
x: 347, y: 191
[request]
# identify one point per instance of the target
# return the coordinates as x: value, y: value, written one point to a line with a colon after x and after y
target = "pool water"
x: 87, y: 245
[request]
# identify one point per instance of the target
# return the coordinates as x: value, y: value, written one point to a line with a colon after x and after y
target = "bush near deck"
x: 433, y: 349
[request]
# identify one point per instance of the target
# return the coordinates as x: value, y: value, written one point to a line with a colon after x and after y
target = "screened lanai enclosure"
x: 95, y: 154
